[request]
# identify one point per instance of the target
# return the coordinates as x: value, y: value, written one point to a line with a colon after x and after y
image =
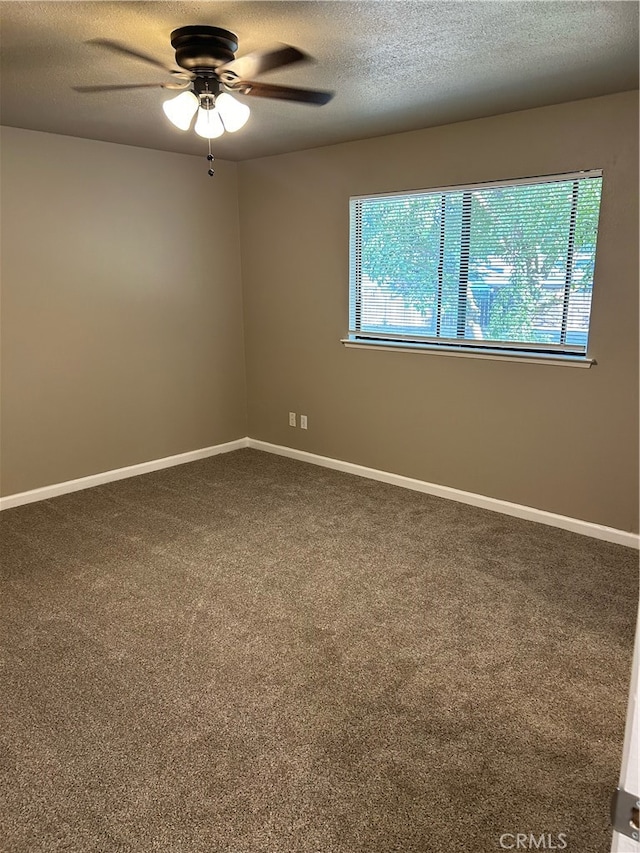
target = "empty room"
x: 319, y: 427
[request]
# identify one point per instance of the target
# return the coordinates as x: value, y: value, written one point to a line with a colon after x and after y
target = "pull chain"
x: 210, y: 159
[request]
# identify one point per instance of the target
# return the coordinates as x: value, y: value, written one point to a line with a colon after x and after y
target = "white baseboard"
x: 56, y: 489
x: 586, y: 528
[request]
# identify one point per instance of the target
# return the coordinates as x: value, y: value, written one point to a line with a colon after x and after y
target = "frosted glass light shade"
x: 234, y: 115
x: 208, y: 124
x: 181, y: 109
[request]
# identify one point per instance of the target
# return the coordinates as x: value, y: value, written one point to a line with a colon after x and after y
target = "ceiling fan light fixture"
x: 181, y: 109
x: 234, y: 115
x: 208, y: 70
x: 208, y: 123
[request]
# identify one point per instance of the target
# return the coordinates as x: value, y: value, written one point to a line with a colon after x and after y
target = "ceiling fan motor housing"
x: 201, y: 49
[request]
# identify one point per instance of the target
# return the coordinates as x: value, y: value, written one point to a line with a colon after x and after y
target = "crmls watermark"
x: 533, y: 841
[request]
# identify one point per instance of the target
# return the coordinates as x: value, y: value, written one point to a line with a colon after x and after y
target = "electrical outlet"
x: 303, y: 422
x: 292, y: 418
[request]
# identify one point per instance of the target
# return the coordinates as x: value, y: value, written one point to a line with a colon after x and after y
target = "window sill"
x: 460, y: 352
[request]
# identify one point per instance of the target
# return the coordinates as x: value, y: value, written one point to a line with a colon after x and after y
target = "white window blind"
x: 499, y: 266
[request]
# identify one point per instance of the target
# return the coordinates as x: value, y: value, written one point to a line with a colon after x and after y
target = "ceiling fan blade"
x: 117, y: 47
x: 262, y: 60
x: 126, y: 86
x: 284, y: 93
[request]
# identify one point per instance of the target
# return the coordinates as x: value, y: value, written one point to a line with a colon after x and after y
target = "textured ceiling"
x: 394, y: 66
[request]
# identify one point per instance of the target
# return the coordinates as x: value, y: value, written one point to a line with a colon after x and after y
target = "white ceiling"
x: 394, y: 65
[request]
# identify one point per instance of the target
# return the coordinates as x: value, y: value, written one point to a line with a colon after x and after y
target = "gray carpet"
x: 249, y: 654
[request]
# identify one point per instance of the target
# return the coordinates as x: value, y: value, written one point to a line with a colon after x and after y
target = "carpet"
x: 250, y: 654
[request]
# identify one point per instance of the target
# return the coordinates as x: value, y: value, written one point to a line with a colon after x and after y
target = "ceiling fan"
x: 208, y: 74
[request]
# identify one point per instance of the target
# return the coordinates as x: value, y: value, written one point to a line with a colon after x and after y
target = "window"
x: 502, y: 268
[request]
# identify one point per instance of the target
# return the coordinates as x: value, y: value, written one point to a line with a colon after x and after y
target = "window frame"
x: 564, y: 354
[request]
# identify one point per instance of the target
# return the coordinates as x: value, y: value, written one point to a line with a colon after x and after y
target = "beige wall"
x: 122, y: 337
x: 556, y: 438
x: 121, y: 307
